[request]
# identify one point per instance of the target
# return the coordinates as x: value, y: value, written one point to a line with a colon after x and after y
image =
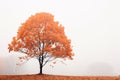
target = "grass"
x: 56, y: 77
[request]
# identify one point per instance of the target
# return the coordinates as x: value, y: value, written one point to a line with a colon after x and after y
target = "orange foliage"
x: 40, y: 34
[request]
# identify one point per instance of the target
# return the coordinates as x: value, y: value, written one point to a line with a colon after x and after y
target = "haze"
x: 92, y: 25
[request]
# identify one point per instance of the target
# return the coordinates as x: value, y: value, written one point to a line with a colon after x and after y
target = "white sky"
x: 92, y: 25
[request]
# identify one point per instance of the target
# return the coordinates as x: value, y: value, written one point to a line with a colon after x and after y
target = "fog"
x: 92, y: 25
x: 11, y: 65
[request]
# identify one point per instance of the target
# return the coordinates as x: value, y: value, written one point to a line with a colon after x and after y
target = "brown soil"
x: 56, y: 77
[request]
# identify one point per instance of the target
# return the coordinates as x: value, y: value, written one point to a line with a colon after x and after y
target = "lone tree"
x: 41, y: 37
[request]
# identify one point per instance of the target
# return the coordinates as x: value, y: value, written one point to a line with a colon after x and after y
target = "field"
x: 56, y: 77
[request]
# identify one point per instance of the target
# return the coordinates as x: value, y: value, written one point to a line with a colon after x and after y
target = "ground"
x: 56, y: 77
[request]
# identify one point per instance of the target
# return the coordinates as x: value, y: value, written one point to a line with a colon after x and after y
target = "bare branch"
x: 46, y: 61
x: 49, y: 60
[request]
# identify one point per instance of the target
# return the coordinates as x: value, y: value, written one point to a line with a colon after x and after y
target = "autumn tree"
x: 42, y: 37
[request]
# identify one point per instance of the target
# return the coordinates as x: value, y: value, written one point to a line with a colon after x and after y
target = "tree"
x: 42, y: 37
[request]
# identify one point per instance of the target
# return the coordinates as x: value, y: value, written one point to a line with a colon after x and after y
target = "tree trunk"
x: 41, y: 69
x: 40, y: 64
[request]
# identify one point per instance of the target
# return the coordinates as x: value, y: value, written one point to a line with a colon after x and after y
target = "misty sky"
x: 92, y: 25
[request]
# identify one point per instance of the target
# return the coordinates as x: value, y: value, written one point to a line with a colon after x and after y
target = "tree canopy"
x: 42, y: 37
